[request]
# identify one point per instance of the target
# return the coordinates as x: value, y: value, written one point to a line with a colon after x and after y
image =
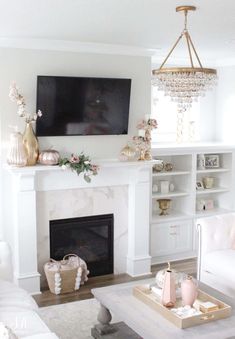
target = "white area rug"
x: 72, y: 320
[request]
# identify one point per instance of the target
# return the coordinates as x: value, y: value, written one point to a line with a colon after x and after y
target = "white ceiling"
x: 150, y: 24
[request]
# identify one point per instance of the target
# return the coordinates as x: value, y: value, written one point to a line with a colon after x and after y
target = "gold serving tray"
x: 143, y: 293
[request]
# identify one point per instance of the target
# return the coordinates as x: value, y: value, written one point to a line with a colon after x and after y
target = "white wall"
x: 207, y: 116
x: 23, y: 66
x: 225, y: 105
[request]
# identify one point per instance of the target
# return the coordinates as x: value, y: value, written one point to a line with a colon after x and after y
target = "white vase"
x: 201, y: 162
x: 17, y: 153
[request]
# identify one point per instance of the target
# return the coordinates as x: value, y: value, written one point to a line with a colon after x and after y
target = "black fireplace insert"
x: 91, y: 238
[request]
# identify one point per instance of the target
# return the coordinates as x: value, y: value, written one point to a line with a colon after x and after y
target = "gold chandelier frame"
x: 191, y: 51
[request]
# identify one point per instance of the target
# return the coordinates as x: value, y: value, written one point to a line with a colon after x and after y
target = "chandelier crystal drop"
x: 185, y: 84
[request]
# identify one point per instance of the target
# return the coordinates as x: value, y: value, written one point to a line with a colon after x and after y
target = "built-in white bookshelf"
x: 186, y: 200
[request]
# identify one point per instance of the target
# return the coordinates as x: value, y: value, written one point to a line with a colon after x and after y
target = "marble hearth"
x: 39, y: 194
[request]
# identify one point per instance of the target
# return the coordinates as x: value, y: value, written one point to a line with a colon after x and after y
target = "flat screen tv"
x: 82, y: 106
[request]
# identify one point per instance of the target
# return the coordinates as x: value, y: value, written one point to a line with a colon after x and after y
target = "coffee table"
x: 147, y: 323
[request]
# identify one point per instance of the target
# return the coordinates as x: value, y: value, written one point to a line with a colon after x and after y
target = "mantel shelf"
x: 102, y: 163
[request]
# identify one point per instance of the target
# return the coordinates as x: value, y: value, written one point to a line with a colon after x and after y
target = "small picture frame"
x: 209, y: 204
x: 199, y: 185
x: 212, y: 161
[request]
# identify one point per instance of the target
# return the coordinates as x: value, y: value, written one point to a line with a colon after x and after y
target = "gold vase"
x: 164, y: 205
x: 31, y: 144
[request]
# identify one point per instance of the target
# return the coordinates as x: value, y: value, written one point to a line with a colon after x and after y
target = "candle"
x: 141, y: 133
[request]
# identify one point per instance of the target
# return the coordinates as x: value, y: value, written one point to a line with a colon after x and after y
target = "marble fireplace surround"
x: 43, y: 193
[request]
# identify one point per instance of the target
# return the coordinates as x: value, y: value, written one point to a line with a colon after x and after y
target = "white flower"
x: 3, y: 331
x: 20, y: 102
x: 21, y: 111
x: 15, y: 96
x: 87, y: 162
x: 64, y: 167
x: 39, y: 114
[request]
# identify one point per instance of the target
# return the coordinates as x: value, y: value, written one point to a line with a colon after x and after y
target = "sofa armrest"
x: 6, y: 272
x: 217, y: 232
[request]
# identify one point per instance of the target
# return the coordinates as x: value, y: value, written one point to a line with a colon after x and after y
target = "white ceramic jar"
x: 164, y: 184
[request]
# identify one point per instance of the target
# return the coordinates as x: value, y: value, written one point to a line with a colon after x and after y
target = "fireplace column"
x: 23, y: 234
x: 138, y: 258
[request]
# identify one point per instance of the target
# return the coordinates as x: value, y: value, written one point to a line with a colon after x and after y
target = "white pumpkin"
x: 49, y: 157
x: 178, y: 276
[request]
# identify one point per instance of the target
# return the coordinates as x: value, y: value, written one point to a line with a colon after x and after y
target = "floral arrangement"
x: 15, y: 96
x: 80, y: 164
x: 143, y: 140
x: 146, y: 124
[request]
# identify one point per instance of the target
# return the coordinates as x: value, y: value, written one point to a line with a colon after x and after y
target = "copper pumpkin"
x: 49, y: 157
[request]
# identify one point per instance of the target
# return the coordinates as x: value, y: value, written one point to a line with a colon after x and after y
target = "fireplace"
x: 91, y: 238
x: 120, y: 188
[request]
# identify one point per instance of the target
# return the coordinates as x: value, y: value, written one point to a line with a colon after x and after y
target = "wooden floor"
x: 46, y: 298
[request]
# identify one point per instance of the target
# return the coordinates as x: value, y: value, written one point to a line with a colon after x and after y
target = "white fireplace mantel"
x: 22, y: 225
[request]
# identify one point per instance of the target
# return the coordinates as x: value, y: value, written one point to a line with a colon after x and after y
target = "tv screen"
x: 82, y: 106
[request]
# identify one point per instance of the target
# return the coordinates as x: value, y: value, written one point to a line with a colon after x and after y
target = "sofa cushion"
x: 220, y: 263
x: 12, y: 295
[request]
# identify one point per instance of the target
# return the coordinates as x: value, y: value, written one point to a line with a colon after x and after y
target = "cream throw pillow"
x: 6, y: 333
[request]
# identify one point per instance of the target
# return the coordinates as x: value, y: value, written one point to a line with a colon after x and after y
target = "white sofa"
x: 18, y: 310
x: 216, y: 259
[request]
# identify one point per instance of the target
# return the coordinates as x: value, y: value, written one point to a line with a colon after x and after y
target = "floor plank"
x: 46, y: 298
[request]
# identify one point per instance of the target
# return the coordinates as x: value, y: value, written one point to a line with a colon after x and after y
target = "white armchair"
x: 216, y: 259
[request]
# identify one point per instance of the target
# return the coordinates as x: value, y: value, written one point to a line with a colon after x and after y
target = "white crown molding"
x: 75, y: 46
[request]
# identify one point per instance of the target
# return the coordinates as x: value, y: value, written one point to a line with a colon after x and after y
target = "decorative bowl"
x: 159, y: 166
x: 164, y: 205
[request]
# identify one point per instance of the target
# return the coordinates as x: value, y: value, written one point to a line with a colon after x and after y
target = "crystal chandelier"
x: 185, y: 84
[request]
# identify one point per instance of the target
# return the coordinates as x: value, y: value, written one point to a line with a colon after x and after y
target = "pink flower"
x: 152, y: 123
x: 74, y: 159
x: 94, y: 169
x: 141, y: 124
